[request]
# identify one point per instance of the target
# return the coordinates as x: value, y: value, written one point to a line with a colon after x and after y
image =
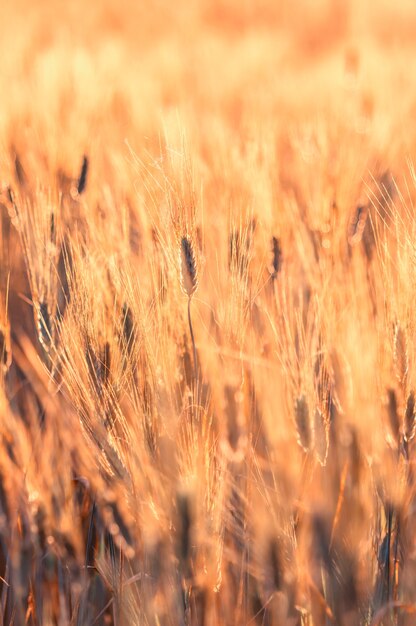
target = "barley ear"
x: 44, y: 325
x: 409, y: 418
x: 82, y: 180
x: 189, y: 275
x: 189, y: 284
x: 303, y: 423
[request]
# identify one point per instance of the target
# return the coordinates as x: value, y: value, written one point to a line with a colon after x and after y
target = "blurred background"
x: 97, y: 73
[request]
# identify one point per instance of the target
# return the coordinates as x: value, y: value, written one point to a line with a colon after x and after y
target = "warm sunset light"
x: 207, y: 313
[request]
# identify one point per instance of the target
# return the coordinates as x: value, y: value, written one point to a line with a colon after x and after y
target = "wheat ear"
x: 189, y: 282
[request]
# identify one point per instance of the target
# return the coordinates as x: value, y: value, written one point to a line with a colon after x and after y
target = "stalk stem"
x: 193, y: 340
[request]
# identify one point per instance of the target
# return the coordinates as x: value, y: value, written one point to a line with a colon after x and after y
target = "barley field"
x: 207, y: 313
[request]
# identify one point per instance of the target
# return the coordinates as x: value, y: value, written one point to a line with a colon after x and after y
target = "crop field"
x: 208, y: 313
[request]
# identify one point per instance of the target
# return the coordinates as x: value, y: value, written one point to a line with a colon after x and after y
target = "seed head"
x: 409, y: 418
x: 277, y: 257
x: 44, y: 325
x: 357, y: 225
x: 5, y: 352
x: 82, y: 180
x: 303, y: 423
x: 189, y: 275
